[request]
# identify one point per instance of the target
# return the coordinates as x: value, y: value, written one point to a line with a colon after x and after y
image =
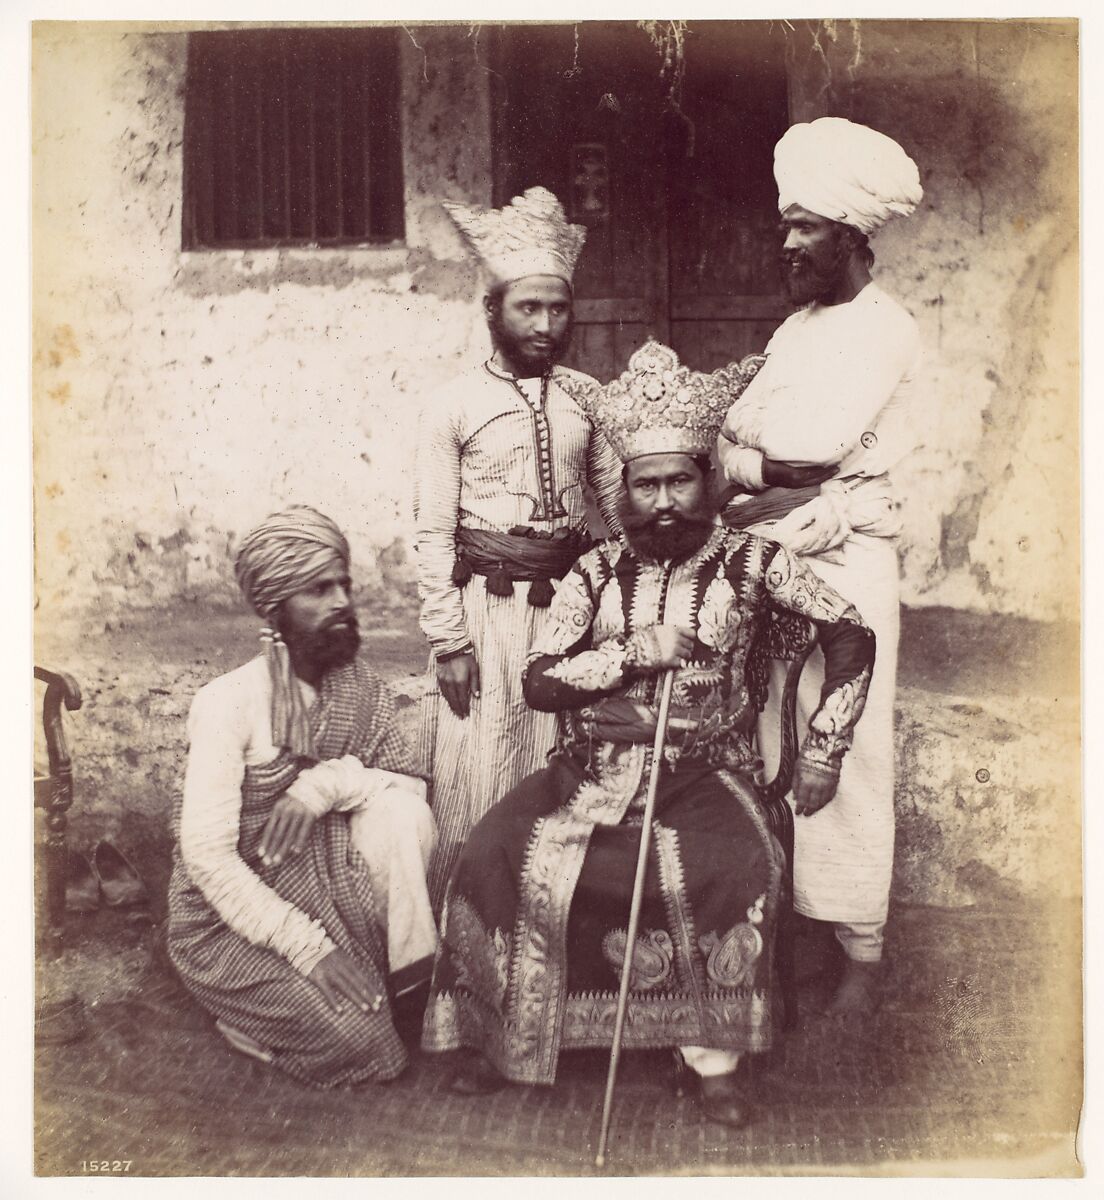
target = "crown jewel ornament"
x: 529, y: 236
x: 658, y: 406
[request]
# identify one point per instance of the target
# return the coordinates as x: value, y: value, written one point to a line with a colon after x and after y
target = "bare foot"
x: 859, y: 993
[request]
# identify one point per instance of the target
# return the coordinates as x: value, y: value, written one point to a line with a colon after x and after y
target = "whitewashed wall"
x: 178, y: 397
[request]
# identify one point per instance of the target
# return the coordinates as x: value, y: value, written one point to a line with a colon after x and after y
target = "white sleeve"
x: 436, y: 516
x: 825, y: 418
x: 344, y: 784
x: 209, y: 829
x: 742, y: 465
x: 897, y: 429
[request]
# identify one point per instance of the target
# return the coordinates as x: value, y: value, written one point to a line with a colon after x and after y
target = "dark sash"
x: 618, y: 719
x: 508, y: 558
x: 769, y: 505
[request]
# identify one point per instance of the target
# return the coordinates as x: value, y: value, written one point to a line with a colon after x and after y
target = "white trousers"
x: 395, y: 835
x: 843, y: 854
x: 861, y: 942
x: 704, y: 1061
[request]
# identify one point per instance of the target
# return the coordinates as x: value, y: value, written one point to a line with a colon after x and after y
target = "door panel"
x: 602, y: 348
x: 678, y: 198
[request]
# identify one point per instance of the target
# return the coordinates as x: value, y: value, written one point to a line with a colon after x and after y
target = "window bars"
x: 292, y: 137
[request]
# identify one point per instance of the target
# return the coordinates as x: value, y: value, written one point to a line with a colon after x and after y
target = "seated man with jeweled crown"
x: 534, y: 927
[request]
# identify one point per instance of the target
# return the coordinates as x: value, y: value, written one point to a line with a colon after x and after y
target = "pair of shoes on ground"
x: 107, y: 876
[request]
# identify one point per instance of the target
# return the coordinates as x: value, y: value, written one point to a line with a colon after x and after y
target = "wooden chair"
x: 791, y: 639
x: 53, y: 792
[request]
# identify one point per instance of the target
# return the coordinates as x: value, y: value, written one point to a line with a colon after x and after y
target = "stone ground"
x: 975, y: 1057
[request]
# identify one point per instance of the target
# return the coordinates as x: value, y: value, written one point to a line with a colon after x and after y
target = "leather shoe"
x: 120, y: 883
x: 722, y: 1100
x: 82, y: 887
x: 719, y: 1097
x: 477, y: 1078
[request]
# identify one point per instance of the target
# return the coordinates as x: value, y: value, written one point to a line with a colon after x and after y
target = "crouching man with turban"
x: 534, y: 925
x: 298, y: 908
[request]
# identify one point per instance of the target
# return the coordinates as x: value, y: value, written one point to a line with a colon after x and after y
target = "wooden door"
x: 676, y: 191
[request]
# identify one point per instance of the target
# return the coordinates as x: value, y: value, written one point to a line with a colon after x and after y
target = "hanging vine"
x: 669, y: 40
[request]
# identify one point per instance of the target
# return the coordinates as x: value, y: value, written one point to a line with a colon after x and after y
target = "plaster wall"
x: 989, y: 267
x: 179, y: 397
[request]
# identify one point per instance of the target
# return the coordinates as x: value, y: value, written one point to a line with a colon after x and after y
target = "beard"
x: 808, y: 277
x: 527, y: 354
x: 327, y: 648
x: 674, y: 542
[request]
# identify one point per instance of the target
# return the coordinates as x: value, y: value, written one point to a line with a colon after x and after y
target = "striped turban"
x: 286, y: 553
x: 846, y: 172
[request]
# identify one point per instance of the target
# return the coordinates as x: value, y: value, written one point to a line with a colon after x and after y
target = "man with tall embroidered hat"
x: 298, y: 908
x: 811, y: 445
x: 505, y: 458
x: 534, y: 925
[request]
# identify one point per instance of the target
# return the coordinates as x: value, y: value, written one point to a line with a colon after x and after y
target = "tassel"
x: 499, y: 582
x: 461, y: 572
x: 541, y: 592
x: 290, y: 721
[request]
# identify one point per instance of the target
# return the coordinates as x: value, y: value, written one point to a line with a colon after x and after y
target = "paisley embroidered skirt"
x: 534, y: 927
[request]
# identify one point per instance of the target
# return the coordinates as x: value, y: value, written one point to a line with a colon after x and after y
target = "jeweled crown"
x: 529, y: 236
x: 658, y: 406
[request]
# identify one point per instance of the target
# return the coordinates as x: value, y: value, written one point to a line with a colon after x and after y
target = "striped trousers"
x: 475, y: 761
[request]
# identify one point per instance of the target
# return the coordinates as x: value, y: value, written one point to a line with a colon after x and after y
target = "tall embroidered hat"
x: 658, y: 406
x: 530, y: 236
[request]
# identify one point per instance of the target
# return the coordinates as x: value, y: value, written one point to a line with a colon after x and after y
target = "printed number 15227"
x: 111, y: 1166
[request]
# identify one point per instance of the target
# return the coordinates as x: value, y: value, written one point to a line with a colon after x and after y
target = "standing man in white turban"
x: 810, y: 445
x: 504, y: 455
x: 298, y: 906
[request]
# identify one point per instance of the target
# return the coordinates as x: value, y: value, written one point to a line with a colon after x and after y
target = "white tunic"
x: 837, y: 387
x: 492, y: 456
x: 229, y: 728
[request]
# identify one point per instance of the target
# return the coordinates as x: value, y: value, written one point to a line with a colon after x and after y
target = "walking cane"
x: 634, y: 910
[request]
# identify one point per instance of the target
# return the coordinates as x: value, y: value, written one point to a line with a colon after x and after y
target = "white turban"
x: 846, y: 172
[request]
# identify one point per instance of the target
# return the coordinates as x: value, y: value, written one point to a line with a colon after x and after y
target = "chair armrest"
x: 779, y: 786
x: 65, y: 686
x: 60, y: 689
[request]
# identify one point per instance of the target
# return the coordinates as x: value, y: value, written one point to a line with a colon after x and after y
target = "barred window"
x: 292, y: 137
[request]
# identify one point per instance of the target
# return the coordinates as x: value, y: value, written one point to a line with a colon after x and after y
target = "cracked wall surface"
x: 989, y: 267
x: 178, y: 397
